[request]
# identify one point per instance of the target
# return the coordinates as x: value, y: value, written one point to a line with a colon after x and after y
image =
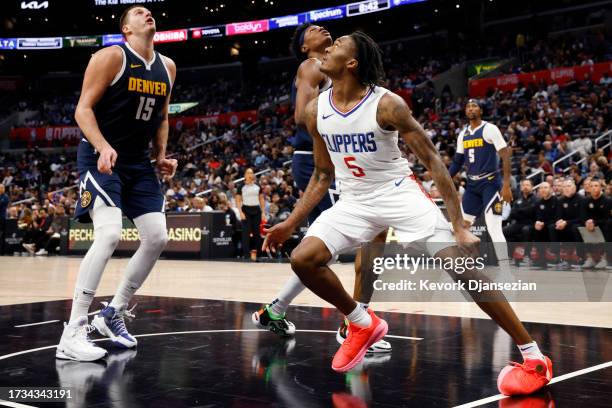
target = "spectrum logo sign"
x: 247, y: 27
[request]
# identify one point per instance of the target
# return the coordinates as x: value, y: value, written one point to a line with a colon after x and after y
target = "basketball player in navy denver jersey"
x: 308, y: 45
x: 478, y: 147
x: 355, y: 126
x: 122, y: 109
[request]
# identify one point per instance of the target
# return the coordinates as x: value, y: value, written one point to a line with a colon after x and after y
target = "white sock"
x: 292, y: 288
x: 360, y: 317
x: 107, y: 230
x: 153, y: 238
x: 531, y: 351
x: 494, y: 227
x: 80, y: 303
x: 125, y: 291
x: 364, y: 305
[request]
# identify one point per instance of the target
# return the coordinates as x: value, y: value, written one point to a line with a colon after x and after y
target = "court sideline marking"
x: 15, y: 404
x: 49, y: 321
x: 18, y: 353
x: 562, y: 377
x: 36, y: 324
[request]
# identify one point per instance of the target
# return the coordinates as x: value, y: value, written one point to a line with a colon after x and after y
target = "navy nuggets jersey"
x: 480, y: 148
x: 130, y: 111
x: 301, y: 139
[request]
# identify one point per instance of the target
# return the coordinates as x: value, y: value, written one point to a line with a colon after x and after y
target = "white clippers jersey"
x: 365, y: 156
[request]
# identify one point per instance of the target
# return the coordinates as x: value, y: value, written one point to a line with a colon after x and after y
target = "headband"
x: 302, y: 36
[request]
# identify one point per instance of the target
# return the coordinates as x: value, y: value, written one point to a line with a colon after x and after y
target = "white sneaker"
x: 589, y: 263
x: 602, y: 264
x: 31, y: 248
x: 75, y: 343
x: 41, y: 252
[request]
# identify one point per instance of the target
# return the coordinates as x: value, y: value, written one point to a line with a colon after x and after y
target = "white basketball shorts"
x: 401, y: 204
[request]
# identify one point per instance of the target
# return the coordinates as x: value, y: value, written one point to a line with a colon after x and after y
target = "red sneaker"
x: 353, y: 349
x: 529, y: 401
x: 344, y: 400
x: 520, y: 379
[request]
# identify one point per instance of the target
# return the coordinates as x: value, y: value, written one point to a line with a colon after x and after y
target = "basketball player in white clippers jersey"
x: 308, y: 44
x: 355, y: 127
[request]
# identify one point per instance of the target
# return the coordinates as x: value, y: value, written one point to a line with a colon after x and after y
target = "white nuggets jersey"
x: 365, y: 156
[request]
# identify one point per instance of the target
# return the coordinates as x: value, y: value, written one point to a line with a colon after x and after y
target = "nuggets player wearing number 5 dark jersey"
x: 122, y: 109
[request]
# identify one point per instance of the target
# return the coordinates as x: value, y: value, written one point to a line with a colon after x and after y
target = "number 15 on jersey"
x: 145, y: 108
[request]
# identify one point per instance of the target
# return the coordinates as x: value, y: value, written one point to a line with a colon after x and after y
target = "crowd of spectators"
x: 565, y: 51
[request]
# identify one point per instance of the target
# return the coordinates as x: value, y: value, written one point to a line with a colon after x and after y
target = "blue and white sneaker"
x: 110, y: 323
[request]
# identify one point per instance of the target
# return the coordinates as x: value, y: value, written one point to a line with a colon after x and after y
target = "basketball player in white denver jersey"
x: 355, y: 127
x: 308, y: 44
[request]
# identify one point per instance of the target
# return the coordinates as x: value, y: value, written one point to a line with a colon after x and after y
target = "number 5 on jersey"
x: 145, y: 108
x: 357, y: 171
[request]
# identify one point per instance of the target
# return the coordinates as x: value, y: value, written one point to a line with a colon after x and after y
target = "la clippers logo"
x: 34, y: 5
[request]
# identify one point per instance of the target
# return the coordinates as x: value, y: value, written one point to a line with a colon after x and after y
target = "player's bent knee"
x: 301, y: 263
x: 159, y: 239
x: 308, y: 256
x: 108, y: 236
x: 152, y: 230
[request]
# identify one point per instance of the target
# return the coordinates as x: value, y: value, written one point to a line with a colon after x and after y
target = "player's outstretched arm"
x: 103, y: 66
x: 167, y: 167
x: 393, y: 112
x: 307, y: 83
x: 459, y: 158
x: 493, y: 135
x: 318, y: 186
x: 506, y: 156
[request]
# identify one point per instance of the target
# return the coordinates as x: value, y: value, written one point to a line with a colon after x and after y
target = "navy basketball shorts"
x: 133, y: 186
x: 481, y: 195
x: 302, y: 168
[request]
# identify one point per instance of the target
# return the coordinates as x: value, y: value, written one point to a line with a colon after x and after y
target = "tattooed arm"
x: 394, y: 113
x: 318, y: 186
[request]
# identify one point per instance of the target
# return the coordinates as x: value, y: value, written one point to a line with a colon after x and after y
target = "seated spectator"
x: 49, y: 241
x: 544, y: 164
x: 13, y: 213
x: 522, y: 215
x: 605, y: 79
x: 566, y: 219
x: 200, y: 204
x: 595, y: 218
x: 557, y: 183
x: 583, y: 144
x: 182, y: 204
x: 546, y: 210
